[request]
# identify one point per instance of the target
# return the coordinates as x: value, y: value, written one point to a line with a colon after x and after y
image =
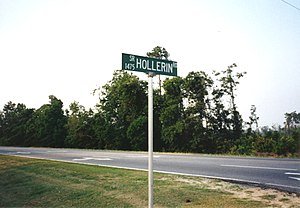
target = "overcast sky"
x: 67, y: 48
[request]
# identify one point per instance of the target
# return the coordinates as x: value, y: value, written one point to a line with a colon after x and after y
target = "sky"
x: 68, y: 48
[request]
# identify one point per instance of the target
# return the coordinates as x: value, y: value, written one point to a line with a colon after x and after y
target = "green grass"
x: 269, y: 197
x: 39, y: 183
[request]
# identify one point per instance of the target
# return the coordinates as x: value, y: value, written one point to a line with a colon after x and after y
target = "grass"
x: 39, y: 183
x: 269, y: 197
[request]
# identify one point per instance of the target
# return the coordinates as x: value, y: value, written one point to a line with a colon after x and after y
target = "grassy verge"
x: 40, y: 183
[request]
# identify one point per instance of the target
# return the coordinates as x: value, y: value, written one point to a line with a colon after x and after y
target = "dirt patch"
x: 272, y: 197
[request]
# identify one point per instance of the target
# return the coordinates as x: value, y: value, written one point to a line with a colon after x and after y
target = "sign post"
x: 151, y: 66
x: 150, y: 140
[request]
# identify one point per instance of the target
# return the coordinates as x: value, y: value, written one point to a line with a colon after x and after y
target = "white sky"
x: 67, y: 48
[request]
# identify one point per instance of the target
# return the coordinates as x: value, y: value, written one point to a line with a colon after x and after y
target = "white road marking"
x: 56, y: 151
x: 165, y: 172
x: 295, y: 178
x: 259, y: 167
x: 141, y: 156
x: 293, y: 174
x: 26, y: 153
x: 93, y: 158
x: 289, y: 173
x: 227, y: 179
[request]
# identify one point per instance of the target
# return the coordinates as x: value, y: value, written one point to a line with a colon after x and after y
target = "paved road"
x: 283, y: 174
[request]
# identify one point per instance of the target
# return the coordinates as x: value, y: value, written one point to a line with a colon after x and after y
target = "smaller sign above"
x: 145, y: 64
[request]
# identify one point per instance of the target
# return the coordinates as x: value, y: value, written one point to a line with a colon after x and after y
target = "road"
x: 283, y: 174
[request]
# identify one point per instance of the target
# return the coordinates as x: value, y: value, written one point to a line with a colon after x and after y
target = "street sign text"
x: 147, y: 65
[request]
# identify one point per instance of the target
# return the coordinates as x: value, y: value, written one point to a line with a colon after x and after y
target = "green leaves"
x: 172, y: 114
x: 48, y: 124
x: 159, y: 52
x: 137, y: 133
x: 196, y: 113
x: 123, y: 100
x: 13, y: 120
x: 80, y: 127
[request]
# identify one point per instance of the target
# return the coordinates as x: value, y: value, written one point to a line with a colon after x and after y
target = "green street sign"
x: 145, y: 64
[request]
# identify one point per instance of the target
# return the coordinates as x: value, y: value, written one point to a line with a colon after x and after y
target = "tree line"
x: 197, y: 113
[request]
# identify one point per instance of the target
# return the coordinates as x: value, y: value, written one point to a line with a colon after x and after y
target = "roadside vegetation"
x: 197, y: 113
x: 39, y: 183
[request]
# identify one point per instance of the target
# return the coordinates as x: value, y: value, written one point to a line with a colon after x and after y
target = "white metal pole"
x: 150, y: 141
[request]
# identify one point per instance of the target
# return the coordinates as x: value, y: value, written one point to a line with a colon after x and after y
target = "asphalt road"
x: 283, y: 174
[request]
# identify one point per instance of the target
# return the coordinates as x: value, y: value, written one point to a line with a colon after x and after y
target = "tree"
x: 253, y: 119
x: 196, y: 91
x: 172, y: 115
x: 229, y: 82
x: 159, y: 53
x: 47, y: 127
x: 80, y: 127
x: 13, y: 123
x: 219, y: 121
x: 1, y: 127
x: 122, y: 101
x: 137, y: 133
x: 292, y: 120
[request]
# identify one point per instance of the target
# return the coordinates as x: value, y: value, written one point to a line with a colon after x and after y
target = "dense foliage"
x: 197, y: 113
